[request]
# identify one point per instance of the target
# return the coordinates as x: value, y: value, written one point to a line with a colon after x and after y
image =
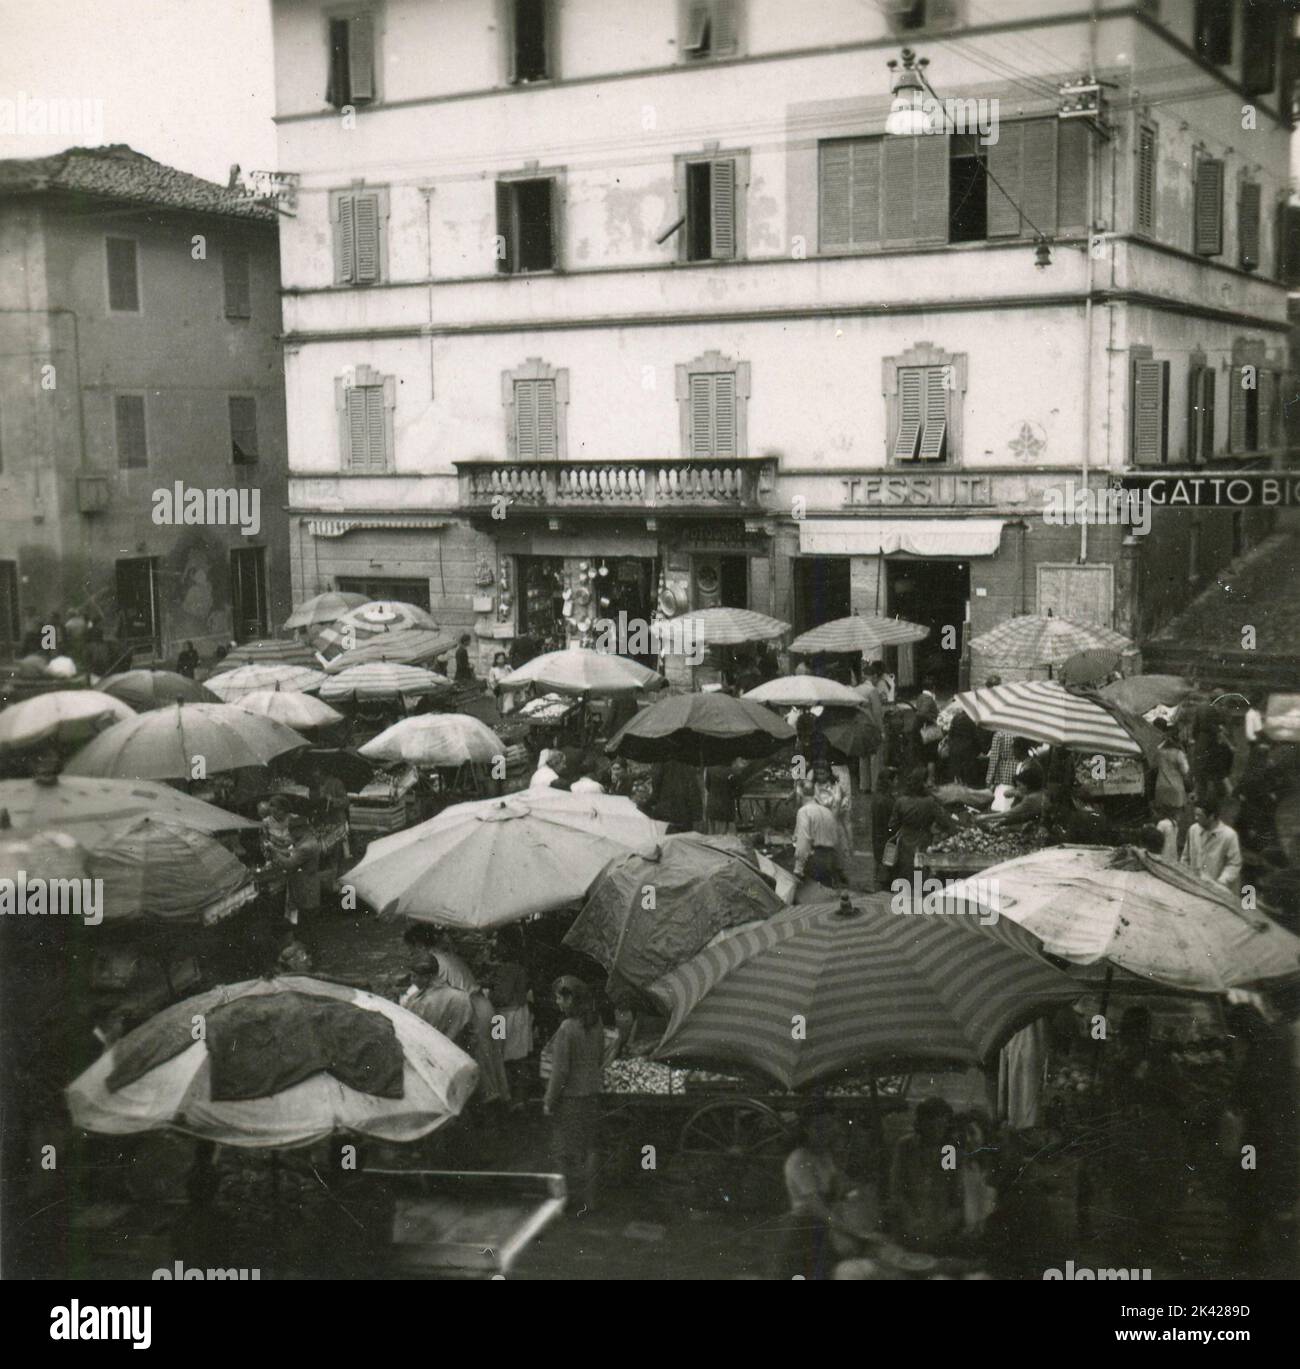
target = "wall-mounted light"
x: 908, y: 116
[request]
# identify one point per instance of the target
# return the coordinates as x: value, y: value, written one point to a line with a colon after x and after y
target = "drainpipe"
x: 1093, y: 189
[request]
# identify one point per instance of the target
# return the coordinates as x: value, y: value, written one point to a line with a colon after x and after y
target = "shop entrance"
x: 139, y: 624
x: 821, y: 591
x: 937, y: 595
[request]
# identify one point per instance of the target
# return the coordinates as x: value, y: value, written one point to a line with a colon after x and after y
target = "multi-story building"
x: 652, y: 301
x: 139, y: 353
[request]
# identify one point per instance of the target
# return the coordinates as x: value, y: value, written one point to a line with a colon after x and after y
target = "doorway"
x: 10, y: 628
x: 821, y: 591
x: 248, y: 593
x: 935, y: 594
x: 139, y: 624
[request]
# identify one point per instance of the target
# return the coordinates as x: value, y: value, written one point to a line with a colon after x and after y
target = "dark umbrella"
x: 700, y: 729
x: 1142, y: 693
x: 147, y: 689
x: 342, y: 763
x: 1090, y: 667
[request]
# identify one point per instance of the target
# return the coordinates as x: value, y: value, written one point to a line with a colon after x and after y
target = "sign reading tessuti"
x: 917, y: 491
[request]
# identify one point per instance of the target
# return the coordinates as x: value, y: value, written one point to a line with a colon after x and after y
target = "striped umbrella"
x: 289, y: 707
x: 858, y: 632
x: 1029, y: 641
x: 804, y: 691
x: 382, y: 680
x: 146, y: 689
x: 877, y: 988
x: 322, y: 609
x: 716, y: 627
x: 1048, y: 712
x: 436, y: 739
x: 359, y: 625
x: 1091, y: 667
x: 580, y: 671
x: 66, y: 717
x: 410, y: 646
x: 272, y: 651
x: 232, y: 685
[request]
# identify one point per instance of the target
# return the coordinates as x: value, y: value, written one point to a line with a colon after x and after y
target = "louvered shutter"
x: 1147, y: 410
x: 935, y: 431
x: 911, y: 411
x: 1145, y: 207
x: 697, y: 24
x: 1072, y: 168
x: 1038, y: 176
x: 1005, y: 158
x: 931, y: 187
x: 238, y: 289
x: 1248, y: 220
x: 898, y: 187
x: 865, y: 198
x: 1208, y: 382
x: 547, y: 446
x: 724, y: 415
x: 243, y: 427
x: 1267, y: 382
x: 361, y: 58
x: 722, y: 203
x: 1237, y: 405
x: 836, y: 195
x: 376, y: 444
x: 366, y: 208
x: 1208, y: 223
x: 358, y: 436
x: 702, y: 415
x: 723, y: 33
x: 1194, y: 428
x: 344, y: 240
x: 526, y: 433
x: 505, y: 226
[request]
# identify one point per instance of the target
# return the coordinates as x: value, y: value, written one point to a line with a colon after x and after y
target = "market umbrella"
x: 289, y: 707
x: 382, y: 680
x: 580, y: 670
x: 271, y: 651
x: 66, y: 717
x: 717, y: 627
x: 281, y: 1062
x: 360, y: 624
x: 1130, y: 909
x: 495, y: 861
x: 698, y: 891
x: 1032, y: 640
x: 700, y: 729
x: 875, y: 988
x: 410, y: 646
x: 1091, y: 667
x: 146, y: 689
x: 436, y: 739
x: 322, y: 609
x: 165, y: 743
x: 73, y: 801
x: 1282, y: 718
x: 858, y: 632
x: 1048, y: 712
x: 804, y: 691
x: 1142, y: 693
x: 231, y: 685
x: 340, y: 762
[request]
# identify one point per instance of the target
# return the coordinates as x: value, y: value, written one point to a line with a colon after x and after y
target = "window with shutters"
x: 527, y: 224
x: 530, y: 26
x: 535, y: 397
x: 711, y: 193
x: 924, y: 390
x: 351, y: 39
x: 915, y: 204
x: 243, y: 429
x: 1212, y: 28
x: 1201, y: 383
x: 709, y: 29
x: 712, y: 397
x: 1144, y: 203
x: 1249, y: 211
x: 849, y: 193
x: 968, y: 188
x: 365, y: 401
x: 1259, y: 28
x: 123, y: 275
x: 237, y: 282
x: 130, y: 431
x: 1207, y: 221
x: 1023, y: 179
x: 910, y: 16
x: 1149, y: 409
x: 1254, y: 394
x: 360, y: 218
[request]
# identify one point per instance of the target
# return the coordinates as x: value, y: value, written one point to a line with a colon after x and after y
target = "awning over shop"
x: 916, y: 536
x: 338, y: 527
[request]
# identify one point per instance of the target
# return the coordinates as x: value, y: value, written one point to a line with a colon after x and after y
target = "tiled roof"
x: 121, y: 174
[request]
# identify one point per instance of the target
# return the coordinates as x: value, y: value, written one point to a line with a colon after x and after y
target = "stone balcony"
x: 650, y: 486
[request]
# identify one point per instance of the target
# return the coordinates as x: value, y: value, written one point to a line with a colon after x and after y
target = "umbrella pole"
x: 1105, y: 1003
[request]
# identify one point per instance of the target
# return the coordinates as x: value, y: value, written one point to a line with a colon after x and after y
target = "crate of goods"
x: 386, y: 804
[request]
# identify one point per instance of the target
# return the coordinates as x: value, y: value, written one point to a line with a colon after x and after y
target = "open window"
x: 924, y: 388
x: 709, y: 29
x: 712, y: 200
x: 351, y: 60
x: 531, y: 41
x: 526, y: 225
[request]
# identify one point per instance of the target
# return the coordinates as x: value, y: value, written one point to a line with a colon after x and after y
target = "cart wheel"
x: 742, y: 1127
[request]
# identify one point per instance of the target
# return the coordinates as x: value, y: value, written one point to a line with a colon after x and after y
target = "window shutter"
x: 376, y: 444
x: 723, y: 33
x: 1145, y: 205
x: 526, y: 432
x: 866, y: 193
x: 1038, y: 175
x: 1267, y: 382
x: 1208, y: 224
x: 358, y: 435
x: 911, y: 404
x: 243, y: 428
x: 366, y: 209
x: 1072, y: 172
x: 344, y: 240
x: 898, y: 187
x: 724, y: 414
x: 1208, y: 381
x: 1195, y: 384
x: 238, y: 290
x: 547, y: 445
x: 934, y: 436
x: 1005, y: 160
x: 836, y: 195
x: 722, y: 201
x: 361, y: 58
x: 505, y: 226
x: 931, y: 187
x: 123, y: 280
x: 1148, y: 415
x: 1237, y: 405
x: 701, y: 415
x: 132, y: 439
x: 697, y: 25
x: 1248, y: 218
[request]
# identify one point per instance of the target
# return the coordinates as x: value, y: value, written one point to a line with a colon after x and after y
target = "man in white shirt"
x: 550, y: 766
x: 586, y: 784
x: 817, y: 838
x: 1213, y: 851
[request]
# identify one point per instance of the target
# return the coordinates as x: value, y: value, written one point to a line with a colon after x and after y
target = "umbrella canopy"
x: 1030, y: 640
x: 1048, y: 712
x: 436, y: 739
x: 155, y: 870
x: 1139, y: 912
x: 718, y: 627
x: 876, y: 988
x: 382, y: 680
x: 701, y: 729
x: 289, y: 707
x: 410, y: 646
x: 400, y: 1079
x: 858, y: 632
x: 1142, y: 693
x: 1091, y: 667
x: 164, y: 744
x: 273, y: 651
x: 65, y: 717
x: 804, y: 691
x: 146, y: 689
x: 1282, y: 718
x: 360, y: 624
x: 699, y: 890
x: 496, y: 861
x: 322, y: 609
x: 582, y: 671
x: 74, y: 801
x: 231, y: 685
x: 342, y: 763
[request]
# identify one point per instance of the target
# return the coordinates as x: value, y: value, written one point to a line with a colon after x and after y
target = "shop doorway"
x: 248, y: 593
x: 630, y: 588
x: 10, y: 629
x: 821, y: 591
x: 937, y: 595
x: 720, y: 581
x: 139, y: 625
x: 403, y: 591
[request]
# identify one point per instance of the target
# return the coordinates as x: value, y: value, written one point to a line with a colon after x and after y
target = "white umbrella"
x: 322, y: 609
x: 231, y: 685
x: 382, y: 680
x: 65, y: 717
x: 289, y: 707
x: 436, y: 739
x: 805, y: 691
x: 580, y: 670
x: 858, y: 632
